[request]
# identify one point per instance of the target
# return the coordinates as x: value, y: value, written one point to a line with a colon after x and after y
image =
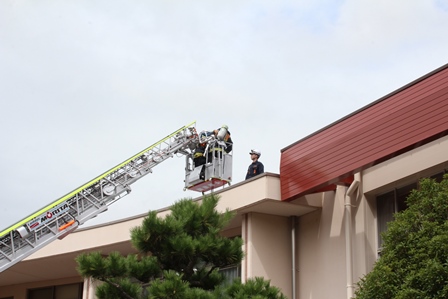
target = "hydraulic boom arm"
x: 63, y: 216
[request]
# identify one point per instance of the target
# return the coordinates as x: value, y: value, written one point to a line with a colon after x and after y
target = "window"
x: 388, y: 204
x: 68, y: 291
x: 438, y: 176
x: 230, y: 273
x: 392, y: 202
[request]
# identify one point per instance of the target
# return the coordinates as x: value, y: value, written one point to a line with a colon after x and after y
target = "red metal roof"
x: 395, y: 123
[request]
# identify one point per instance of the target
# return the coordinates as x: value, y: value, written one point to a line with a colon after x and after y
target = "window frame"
x: 399, y: 196
x: 54, y: 288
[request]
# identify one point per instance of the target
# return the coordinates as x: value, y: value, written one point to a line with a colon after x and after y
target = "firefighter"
x: 256, y: 167
x: 198, y: 156
x: 221, y: 134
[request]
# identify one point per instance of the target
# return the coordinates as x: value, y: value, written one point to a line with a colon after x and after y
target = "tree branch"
x: 119, y: 288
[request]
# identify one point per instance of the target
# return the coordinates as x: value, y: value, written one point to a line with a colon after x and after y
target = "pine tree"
x: 414, y: 261
x: 179, y: 257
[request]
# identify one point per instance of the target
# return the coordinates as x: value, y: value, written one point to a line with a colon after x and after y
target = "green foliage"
x: 115, y: 265
x: 179, y: 257
x: 144, y: 268
x: 188, y: 241
x: 119, y: 289
x: 414, y: 261
x: 91, y: 265
x: 257, y: 288
x: 170, y: 287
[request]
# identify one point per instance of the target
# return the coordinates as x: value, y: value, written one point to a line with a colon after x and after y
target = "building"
x: 313, y: 229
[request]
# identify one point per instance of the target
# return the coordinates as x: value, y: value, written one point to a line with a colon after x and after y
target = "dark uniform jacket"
x: 254, y: 169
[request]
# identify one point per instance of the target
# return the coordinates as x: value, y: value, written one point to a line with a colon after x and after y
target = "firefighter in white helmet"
x: 221, y: 134
x: 200, y: 157
x: 256, y: 167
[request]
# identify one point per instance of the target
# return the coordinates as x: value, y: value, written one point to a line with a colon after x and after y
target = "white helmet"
x: 202, y: 136
x: 256, y: 152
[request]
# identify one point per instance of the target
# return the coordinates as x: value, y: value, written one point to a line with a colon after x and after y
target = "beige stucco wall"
x: 321, y: 250
x: 268, y: 249
x: 321, y: 246
x: 321, y: 235
x: 90, y: 238
x: 408, y: 167
x: 364, y: 236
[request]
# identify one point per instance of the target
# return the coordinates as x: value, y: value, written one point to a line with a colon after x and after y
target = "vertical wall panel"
x: 388, y: 126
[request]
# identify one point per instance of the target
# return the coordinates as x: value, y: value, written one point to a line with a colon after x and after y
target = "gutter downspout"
x: 348, y: 233
x: 293, y: 256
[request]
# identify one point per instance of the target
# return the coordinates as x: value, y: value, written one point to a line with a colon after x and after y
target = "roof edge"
x: 367, y: 106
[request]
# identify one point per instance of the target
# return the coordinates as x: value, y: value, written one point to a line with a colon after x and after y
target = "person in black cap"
x: 256, y: 167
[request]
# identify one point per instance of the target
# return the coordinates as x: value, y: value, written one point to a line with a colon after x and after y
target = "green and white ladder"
x: 63, y: 216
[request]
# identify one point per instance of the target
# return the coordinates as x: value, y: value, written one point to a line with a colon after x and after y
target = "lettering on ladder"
x: 47, y: 216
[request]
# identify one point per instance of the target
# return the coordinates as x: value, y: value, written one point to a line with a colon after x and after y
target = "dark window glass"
x: 385, y: 210
x: 438, y: 176
x: 401, y: 196
x: 388, y: 204
x: 230, y: 273
x: 68, y: 291
x: 44, y: 293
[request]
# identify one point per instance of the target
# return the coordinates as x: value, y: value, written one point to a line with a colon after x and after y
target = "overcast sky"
x: 85, y: 84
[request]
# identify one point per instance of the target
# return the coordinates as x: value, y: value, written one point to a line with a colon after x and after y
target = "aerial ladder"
x: 65, y: 215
